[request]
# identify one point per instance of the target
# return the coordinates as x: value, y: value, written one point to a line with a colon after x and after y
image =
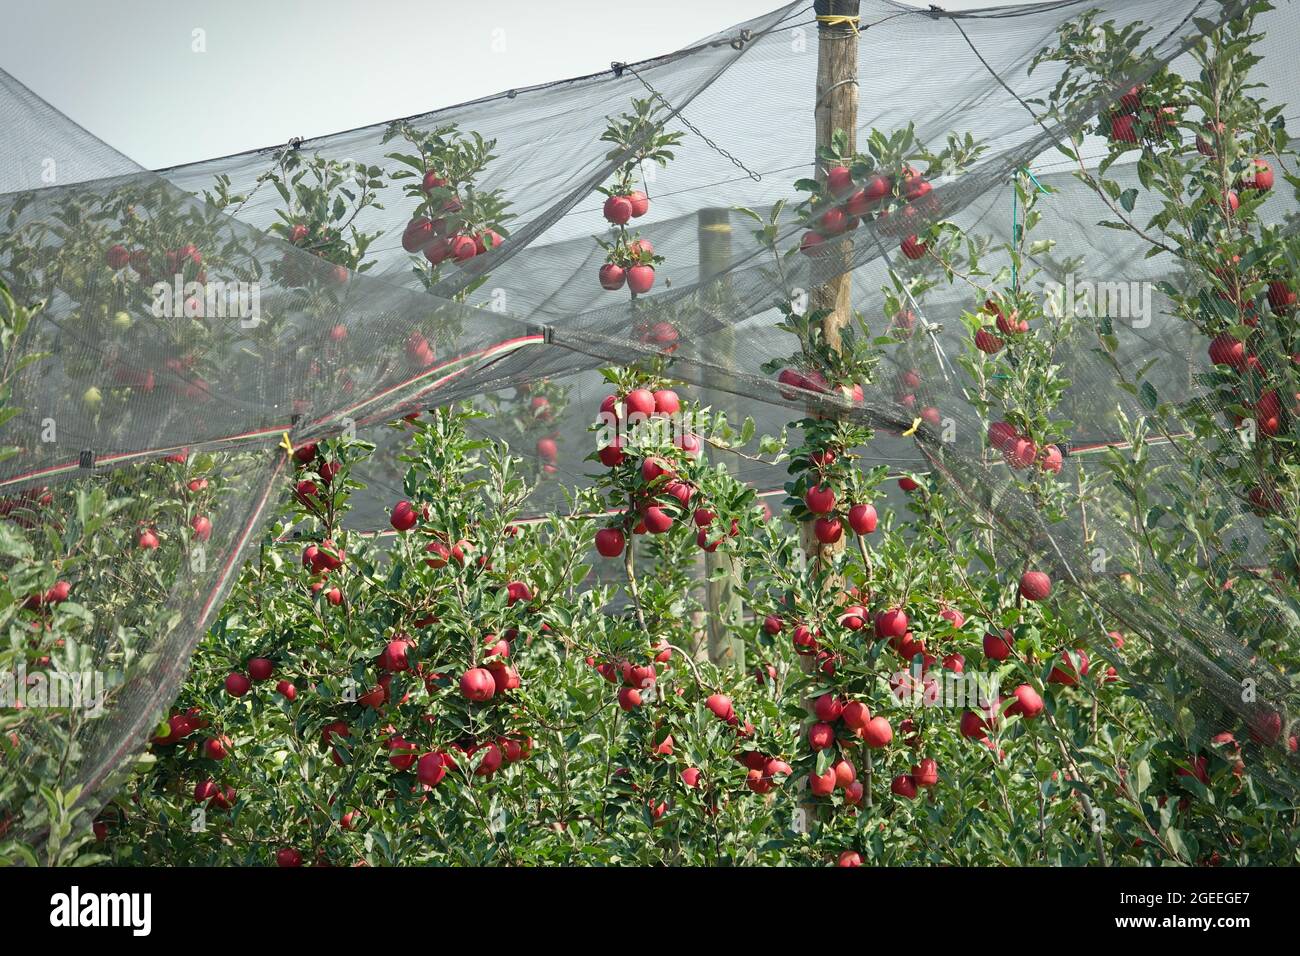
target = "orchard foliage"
x: 481, y: 685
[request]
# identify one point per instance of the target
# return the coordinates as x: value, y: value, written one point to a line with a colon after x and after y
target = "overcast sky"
x: 273, y: 69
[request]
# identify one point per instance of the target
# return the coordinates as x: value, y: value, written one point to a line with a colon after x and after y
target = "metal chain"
x: 689, y: 125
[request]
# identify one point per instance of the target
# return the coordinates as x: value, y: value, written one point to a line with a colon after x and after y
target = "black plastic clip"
x: 618, y: 68
x: 86, y: 459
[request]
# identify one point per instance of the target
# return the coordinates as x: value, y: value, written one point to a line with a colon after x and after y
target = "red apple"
x: 828, y: 708
x: 640, y: 278
x: 639, y: 401
x: 720, y: 705
x: 237, y: 684
x: 214, y: 748
x: 657, y: 521
x: 1122, y: 129
x: 925, y: 773
x: 404, y: 516
x: 839, y: 180
x: 891, y: 623
x: 997, y: 647
x: 611, y: 456
x: 903, y: 786
x: 1258, y: 175
x: 828, y: 530
x: 855, y: 715
x: 1028, y: 703
x: 1072, y: 667
x: 987, y: 342
x: 822, y: 785
x: 863, y: 519
x: 618, y: 209
x: 1035, y: 586
x: 876, y: 733
x: 431, y: 768
x: 820, y: 499
x: 610, y: 542
x: 844, y: 773
x: 612, y: 276
x: 821, y: 735
x: 476, y: 684
x: 117, y: 256
x: 629, y: 698
x: 666, y: 402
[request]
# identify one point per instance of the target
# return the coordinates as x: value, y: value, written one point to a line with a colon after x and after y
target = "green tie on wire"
x: 1015, y: 219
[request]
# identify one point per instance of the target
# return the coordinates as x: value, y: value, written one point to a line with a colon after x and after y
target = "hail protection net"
x: 169, y: 414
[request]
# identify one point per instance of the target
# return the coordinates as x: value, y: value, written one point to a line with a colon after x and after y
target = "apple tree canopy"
x: 189, y: 312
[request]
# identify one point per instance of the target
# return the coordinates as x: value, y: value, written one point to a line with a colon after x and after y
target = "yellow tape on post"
x: 839, y: 20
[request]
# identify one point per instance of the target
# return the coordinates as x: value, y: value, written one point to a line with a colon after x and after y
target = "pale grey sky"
x: 273, y: 69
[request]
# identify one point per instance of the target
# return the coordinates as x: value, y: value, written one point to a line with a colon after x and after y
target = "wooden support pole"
x: 836, y: 108
x: 722, y: 603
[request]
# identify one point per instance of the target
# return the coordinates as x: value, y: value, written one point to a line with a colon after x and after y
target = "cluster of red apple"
x: 662, y: 495
x: 905, y: 394
x: 489, y: 679
x: 1131, y: 119
x: 1258, y: 177
x: 200, y: 524
x: 320, y: 558
x: 537, y: 416
x: 176, y: 261
x: 55, y: 595
x: 259, y: 669
x: 851, y: 203
x: 443, y: 234
x: 477, y: 685
x: 181, y: 726
x: 844, y: 722
x: 1020, y: 451
x: 629, y: 260
x: 814, y: 381
x: 1007, y: 323
x: 635, y: 678
x: 21, y: 508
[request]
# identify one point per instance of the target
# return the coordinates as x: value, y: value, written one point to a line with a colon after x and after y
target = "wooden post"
x: 722, y: 603
x: 836, y: 108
